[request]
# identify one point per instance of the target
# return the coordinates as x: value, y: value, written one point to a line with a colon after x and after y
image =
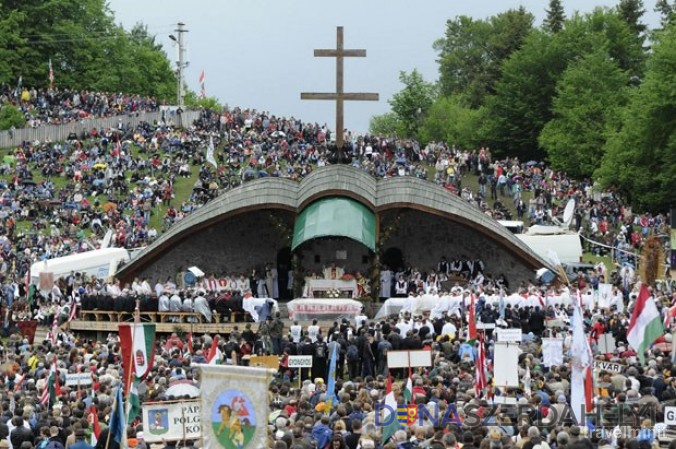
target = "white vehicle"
x: 101, y: 263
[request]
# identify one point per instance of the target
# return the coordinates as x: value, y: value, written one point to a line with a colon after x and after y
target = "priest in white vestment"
x: 333, y: 272
x: 386, y: 277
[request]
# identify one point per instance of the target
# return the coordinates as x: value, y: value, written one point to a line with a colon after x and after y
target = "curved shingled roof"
x: 337, y: 180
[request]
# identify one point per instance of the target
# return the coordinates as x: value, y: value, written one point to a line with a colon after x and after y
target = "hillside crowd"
x: 58, y: 107
x: 62, y: 197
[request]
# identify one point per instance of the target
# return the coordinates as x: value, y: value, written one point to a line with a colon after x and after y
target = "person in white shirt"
x: 242, y: 284
x: 428, y: 323
x: 175, y: 303
x: 136, y: 286
x: 313, y: 331
x: 404, y: 325
x: 114, y: 289
x: 163, y: 304
x: 449, y: 328
x: 201, y: 305
x: 617, y: 300
x: 159, y: 288
x: 187, y: 304
x: 145, y: 287
x: 295, y: 331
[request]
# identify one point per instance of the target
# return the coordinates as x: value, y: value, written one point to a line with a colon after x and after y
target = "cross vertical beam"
x: 339, y: 87
x: 339, y: 96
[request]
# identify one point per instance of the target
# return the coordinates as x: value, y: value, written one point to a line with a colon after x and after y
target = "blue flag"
x: 331, y: 397
x: 117, y: 421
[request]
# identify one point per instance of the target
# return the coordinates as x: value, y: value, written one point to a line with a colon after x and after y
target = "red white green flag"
x: 137, y: 345
x: 645, y: 325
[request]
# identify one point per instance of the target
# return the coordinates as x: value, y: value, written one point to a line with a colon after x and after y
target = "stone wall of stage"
x: 236, y: 245
x: 424, y: 238
x: 319, y: 253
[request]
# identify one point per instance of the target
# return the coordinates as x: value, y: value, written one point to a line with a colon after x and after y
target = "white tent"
x: 566, y: 246
x: 100, y: 263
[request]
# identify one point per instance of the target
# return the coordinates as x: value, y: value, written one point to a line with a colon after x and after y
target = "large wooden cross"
x: 339, y: 96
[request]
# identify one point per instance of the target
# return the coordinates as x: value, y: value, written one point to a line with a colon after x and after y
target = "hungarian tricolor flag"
x: 52, y: 389
x: 645, y: 325
x: 408, y: 388
x: 214, y: 355
x: 137, y: 345
x: 391, y: 409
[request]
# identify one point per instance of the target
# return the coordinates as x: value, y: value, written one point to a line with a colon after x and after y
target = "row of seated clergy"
x: 222, y: 304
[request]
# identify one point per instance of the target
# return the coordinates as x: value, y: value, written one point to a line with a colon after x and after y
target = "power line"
x: 166, y: 27
x: 85, y: 39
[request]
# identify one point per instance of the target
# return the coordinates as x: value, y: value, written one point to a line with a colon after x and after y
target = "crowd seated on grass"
x: 58, y: 107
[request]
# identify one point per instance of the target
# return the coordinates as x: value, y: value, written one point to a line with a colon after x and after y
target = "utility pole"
x: 181, y: 64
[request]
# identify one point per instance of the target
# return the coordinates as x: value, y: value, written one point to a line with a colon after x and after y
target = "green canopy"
x: 336, y: 217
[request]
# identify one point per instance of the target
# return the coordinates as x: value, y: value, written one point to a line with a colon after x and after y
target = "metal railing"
x: 56, y: 133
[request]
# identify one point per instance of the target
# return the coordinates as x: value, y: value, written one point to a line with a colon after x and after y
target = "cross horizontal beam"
x: 337, y: 53
x: 358, y: 96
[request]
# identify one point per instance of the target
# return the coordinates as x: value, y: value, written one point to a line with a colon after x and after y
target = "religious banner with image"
x: 234, y: 406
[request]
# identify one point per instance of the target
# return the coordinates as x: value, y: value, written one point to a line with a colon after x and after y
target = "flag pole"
x: 111, y: 417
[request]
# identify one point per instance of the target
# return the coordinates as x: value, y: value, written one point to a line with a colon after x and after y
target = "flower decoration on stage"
x: 347, y: 277
x: 333, y: 293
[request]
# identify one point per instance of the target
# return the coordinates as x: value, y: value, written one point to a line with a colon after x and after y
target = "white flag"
x: 234, y: 406
x: 210, y: 153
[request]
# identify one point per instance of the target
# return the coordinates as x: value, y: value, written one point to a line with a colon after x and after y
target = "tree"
x: 9, y: 40
x: 387, y: 125
x: 588, y: 97
x: 412, y: 103
x: 631, y: 12
x: 522, y: 105
x: 208, y: 103
x: 472, y: 51
x: 87, y: 49
x: 10, y: 117
x: 556, y: 17
x: 640, y: 156
x: 667, y: 11
x: 449, y: 121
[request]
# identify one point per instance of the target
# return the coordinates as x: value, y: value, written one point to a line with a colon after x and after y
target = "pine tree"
x: 667, y: 11
x: 631, y: 12
x: 556, y: 16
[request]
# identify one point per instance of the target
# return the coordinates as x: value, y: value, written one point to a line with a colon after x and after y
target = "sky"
x: 259, y: 53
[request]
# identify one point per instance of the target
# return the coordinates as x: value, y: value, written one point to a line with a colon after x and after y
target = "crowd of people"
x: 300, y: 418
x: 70, y: 194
x: 62, y: 197
x: 61, y: 106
